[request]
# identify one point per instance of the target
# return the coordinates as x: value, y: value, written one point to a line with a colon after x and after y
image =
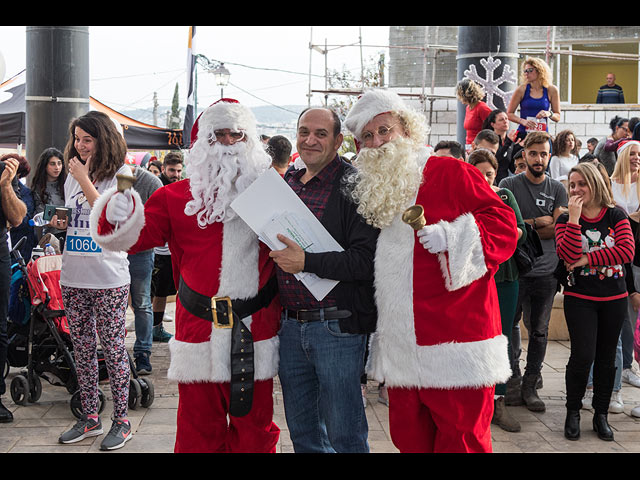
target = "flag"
x: 191, y: 71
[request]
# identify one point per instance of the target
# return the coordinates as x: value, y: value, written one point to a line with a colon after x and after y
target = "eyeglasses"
x: 529, y: 70
x: 382, y: 132
x: 234, y: 135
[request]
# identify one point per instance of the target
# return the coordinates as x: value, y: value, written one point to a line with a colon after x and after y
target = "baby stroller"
x: 43, y: 345
x: 39, y: 338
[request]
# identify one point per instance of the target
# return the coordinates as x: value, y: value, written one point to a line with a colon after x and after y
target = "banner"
x: 190, y: 110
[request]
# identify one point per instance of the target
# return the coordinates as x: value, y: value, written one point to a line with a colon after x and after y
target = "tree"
x: 173, y: 120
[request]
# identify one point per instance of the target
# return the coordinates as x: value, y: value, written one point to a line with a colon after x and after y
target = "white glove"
x: 119, y: 207
x: 433, y: 238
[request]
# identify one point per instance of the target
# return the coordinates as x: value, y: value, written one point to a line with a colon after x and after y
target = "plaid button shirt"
x: 315, y: 194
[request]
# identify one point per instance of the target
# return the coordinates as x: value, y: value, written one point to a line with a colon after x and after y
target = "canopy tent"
x: 138, y: 135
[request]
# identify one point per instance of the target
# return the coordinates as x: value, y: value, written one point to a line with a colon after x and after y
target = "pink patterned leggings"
x: 102, y: 311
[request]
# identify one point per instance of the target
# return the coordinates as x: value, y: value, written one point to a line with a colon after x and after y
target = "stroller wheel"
x: 147, y: 392
x: 20, y: 390
x: 35, y: 390
x: 135, y: 393
x: 7, y: 367
x: 76, y: 404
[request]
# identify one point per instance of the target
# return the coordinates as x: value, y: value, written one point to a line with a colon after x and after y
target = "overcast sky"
x: 129, y: 63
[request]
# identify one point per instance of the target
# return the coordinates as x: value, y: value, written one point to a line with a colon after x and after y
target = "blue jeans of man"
x: 535, y: 302
x: 320, y: 370
x: 140, y: 268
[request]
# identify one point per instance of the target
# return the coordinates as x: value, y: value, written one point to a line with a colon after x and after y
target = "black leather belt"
x: 329, y: 313
x: 220, y: 311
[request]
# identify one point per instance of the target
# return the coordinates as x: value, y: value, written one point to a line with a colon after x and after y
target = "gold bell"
x: 125, y: 182
x: 414, y: 216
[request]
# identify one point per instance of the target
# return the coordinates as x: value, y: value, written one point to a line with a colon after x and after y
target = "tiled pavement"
x: 37, y: 426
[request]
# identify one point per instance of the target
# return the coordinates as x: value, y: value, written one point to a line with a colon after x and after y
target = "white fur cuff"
x: 464, y: 262
x: 127, y: 233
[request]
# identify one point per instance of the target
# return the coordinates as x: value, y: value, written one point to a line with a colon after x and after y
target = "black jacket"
x: 354, y: 267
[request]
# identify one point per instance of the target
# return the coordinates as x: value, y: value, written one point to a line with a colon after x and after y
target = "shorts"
x: 162, y: 284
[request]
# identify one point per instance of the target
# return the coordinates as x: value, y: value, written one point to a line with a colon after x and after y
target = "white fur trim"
x: 233, y: 116
x: 394, y: 354
x: 463, y: 263
x: 372, y: 102
x: 209, y: 361
x: 239, y: 278
x: 127, y: 233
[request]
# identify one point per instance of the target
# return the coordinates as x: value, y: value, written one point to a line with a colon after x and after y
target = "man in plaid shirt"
x: 323, y: 342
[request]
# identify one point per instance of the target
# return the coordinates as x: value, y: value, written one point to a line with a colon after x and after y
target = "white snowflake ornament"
x: 491, y: 84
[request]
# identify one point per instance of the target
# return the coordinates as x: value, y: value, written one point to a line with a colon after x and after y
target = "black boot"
x: 5, y: 415
x: 530, y: 394
x: 601, y: 427
x: 572, y: 425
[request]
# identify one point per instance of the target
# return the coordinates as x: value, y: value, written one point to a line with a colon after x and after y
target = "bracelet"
x: 534, y: 223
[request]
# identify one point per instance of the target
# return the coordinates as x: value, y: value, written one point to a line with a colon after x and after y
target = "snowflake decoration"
x: 491, y: 84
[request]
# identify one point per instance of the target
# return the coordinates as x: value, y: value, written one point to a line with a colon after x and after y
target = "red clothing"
x: 439, y: 329
x: 223, y: 259
x: 473, y: 120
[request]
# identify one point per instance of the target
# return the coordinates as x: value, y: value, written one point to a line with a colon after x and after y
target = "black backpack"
x: 527, y: 253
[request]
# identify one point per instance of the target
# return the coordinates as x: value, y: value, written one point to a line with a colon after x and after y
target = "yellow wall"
x: 588, y: 77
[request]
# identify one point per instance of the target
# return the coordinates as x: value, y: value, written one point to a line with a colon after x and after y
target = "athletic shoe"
x: 630, y: 377
x: 143, y: 365
x: 635, y: 411
x: 160, y: 334
x: 587, y: 399
x: 119, y: 434
x: 616, y: 405
x: 84, y: 428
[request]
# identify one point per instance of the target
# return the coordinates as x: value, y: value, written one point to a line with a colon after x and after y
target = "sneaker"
x: 630, y: 377
x: 635, y: 411
x: 160, y: 334
x: 616, y: 405
x: 587, y: 400
x: 84, y: 428
x: 143, y: 365
x: 119, y: 434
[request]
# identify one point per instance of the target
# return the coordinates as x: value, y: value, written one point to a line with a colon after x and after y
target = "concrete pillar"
x: 57, y: 85
x: 476, y: 43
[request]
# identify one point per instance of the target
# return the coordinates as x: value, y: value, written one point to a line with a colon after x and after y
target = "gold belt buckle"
x: 216, y: 324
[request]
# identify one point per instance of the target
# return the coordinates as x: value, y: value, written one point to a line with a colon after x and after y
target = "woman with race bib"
x: 95, y: 283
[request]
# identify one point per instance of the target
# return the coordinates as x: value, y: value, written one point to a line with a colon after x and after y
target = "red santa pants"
x: 441, y: 421
x: 203, y: 424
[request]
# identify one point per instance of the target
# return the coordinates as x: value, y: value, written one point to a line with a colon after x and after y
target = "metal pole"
x: 57, y: 85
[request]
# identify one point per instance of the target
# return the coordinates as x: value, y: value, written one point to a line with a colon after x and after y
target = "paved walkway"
x: 36, y: 427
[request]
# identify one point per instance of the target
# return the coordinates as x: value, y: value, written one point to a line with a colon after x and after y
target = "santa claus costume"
x: 438, y: 346
x: 214, y: 254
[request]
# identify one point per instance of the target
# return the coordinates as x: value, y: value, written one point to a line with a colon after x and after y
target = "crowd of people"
x: 429, y: 307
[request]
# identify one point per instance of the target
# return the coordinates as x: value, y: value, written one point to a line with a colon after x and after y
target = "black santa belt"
x: 220, y: 311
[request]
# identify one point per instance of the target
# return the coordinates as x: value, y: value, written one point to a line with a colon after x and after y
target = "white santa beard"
x: 217, y: 173
x: 387, y: 181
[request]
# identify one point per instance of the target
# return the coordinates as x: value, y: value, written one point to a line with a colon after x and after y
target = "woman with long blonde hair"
x: 537, y: 98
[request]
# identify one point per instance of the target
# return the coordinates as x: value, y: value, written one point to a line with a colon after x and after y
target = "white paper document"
x: 269, y: 206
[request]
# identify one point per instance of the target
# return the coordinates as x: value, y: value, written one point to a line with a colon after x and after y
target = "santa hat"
x: 622, y: 146
x: 225, y: 113
x: 370, y: 104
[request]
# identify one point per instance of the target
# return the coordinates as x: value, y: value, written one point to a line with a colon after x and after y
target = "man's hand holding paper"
x: 289, y: 259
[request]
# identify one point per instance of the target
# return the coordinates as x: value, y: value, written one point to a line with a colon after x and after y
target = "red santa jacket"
x: 438, y: 316
x: 223, y: 259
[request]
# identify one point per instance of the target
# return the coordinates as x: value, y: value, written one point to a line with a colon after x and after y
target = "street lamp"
x: 221, y: 74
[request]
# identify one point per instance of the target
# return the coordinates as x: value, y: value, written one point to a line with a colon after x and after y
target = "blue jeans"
x: 320, y: 370
x: 140, y: 268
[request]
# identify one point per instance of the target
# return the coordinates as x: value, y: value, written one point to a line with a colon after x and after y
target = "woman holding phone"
x: 95, y: 283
